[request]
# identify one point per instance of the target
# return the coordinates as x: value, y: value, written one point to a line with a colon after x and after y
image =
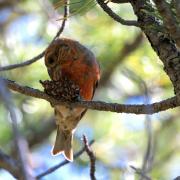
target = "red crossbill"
x: 70, y: 64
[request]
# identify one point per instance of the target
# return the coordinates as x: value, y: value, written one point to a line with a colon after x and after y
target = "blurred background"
x: 128, y: 67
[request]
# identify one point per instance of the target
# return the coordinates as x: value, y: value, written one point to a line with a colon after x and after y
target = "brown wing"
x: 95, y: 86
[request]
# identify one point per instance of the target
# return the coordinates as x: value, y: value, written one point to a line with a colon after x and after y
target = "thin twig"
x: 38, y: 57
x: 170, y: 21
x: 148, y: 157
x: 5, y: 95
x: 66, y: 12
x: 54, y: 168
x: 10, y: 164
x: 91, y: 157
x: 162, y: 45
x: 119, y: 1
x: 26, y: 63
x: 98, y: 105
x: 115, y: 16
x: 149, y: 152
x: 138, y: 171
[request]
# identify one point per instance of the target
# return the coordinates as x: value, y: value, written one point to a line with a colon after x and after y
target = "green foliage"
x: 81, y: 7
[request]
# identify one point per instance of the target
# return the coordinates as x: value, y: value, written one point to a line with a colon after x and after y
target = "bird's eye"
x: 51, y: 61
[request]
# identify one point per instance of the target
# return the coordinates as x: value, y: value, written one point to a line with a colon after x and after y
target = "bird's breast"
x: 67, y: 112
x: 67, y: 117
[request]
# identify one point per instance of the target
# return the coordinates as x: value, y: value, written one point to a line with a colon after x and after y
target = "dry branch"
x: 115, y: 16
x: 169, y: 20
x: 9, y: 164
x: 18, y: 142
x: 149, y: 149
x: 38, y: 57
x: 26, y: 63
x: 98, y: 105
x: 54, y: 168
x: 92, y: 158
x: 12, y: 166
x: 119, y: 1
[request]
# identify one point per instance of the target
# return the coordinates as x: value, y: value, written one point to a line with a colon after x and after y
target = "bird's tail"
x: 63, y: 144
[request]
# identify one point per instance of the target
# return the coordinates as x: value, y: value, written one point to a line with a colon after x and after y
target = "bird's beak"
x: 49, y: 72
x: 55, y: 74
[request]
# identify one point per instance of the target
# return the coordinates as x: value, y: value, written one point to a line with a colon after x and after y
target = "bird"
x: 75, y: 68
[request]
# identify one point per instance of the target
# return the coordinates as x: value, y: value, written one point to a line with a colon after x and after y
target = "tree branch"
x: 115, y: 16
x: 169, y: 20
x: 7, y: 4
x: 91, y: 157
x: 98, y: 105
x: 12, y: 166
x: 54, y: 168
x: 26, y: 63
x: 9, y: 164
x: 149, y: 149
x: 160, y: 42
x: 18, y: 142
x: 139, y: 171
x: 119, y: 1
x: 38, y: 57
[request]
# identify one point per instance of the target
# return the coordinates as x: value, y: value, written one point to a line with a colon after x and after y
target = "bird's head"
x: 60, y: 53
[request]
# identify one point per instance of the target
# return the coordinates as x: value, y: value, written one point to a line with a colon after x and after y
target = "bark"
x: 160, y: 41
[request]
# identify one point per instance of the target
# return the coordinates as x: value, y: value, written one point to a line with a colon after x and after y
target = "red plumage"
x: 68, y: 59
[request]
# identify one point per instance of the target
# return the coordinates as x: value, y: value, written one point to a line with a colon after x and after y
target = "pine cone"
x: 63, y: 89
